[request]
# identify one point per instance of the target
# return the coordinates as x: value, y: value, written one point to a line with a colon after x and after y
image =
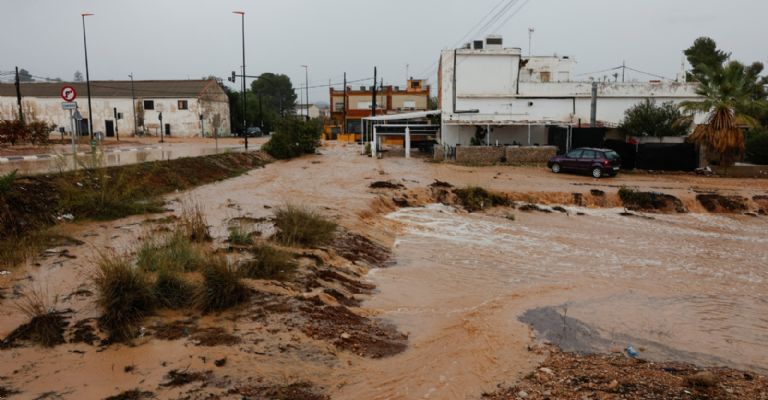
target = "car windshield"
x: 611, y: 155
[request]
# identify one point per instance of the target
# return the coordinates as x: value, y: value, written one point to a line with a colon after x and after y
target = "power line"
x: 511, y: 15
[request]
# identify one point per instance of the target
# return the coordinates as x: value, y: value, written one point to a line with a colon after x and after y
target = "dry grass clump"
x: 240, y: 235
x: 475, y: 198
x: 125, y: 295
x: 46, y: 325
x: 269, y: 263
x: 222, y: 288
x: 193, y: 223
x: 300, y: 226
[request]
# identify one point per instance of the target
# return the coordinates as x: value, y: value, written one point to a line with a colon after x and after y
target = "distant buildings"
x: 188, y: 107
x: 491, y: 95
x: 350, y: 105
x: 311, y: 110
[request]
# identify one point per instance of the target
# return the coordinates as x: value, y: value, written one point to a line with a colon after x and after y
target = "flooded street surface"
x: 690, y: 288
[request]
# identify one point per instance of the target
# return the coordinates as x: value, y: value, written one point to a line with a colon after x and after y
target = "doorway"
x: 110, y: 128
x: 167, y: 129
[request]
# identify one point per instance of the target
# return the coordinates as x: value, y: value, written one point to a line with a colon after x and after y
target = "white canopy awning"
x: 400, y: 117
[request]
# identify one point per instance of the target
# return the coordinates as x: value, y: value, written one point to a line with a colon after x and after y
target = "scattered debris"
x: 301, y: 390
x: 134, y: 394
x: 46, y: 329
x: 181, y: 378
x: 533, y: 207
x: 597, y: 193
x: 386, y: 185
x: 440, y: 184
x: 85, y: 332
x: 214, y: 337
x: 356, y: 248
x: 220, y: 362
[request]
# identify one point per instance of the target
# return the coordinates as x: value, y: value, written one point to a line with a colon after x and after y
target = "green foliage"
x: 647, y: 118
x: 192, y: 222
x: 269, y: 263
x: 222, y: 288
x: 474, y: 198
x: 704, y: 57
x: 6, y: 181
x: 299, y: 226
x: 172, y: 291
x: 172, y: 252
x: 294, y: 138
x: 125, y: 296
x: 239, y: 235
x: 25, y: 76
x: 757, y: 147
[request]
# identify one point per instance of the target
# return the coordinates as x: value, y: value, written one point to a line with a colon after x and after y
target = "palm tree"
x: 729, y: 103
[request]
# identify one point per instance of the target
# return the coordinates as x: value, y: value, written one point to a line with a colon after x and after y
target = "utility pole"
x: 373, y: 91
x: 87, y: 78
x: 623, y: 69
x: 133, y: 100
x: 18, y: 95
x: 306, y: 89
x: 344, y: 128
x: 245, y: 124
x: 593, y: 108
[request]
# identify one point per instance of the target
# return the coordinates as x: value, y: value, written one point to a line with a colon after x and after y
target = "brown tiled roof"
x: 146, y: 89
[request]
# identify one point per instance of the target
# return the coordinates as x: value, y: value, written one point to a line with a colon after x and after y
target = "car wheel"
x: 556, y: 168
x: 597, y: 172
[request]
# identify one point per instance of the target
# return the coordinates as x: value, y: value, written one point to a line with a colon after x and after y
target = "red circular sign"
x: 68, y: 93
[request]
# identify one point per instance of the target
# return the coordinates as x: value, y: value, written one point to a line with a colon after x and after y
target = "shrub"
x: 172, y: 252
x: 222, y: 288
x: 172, y: 291
x: 294, y: 138
x: 757, y: 148
x: 299, y: 226
x: 6, y: 181
x: 125, y: 296
x: 474, y: 198
x: 16, y: 131
x: 269, y: 263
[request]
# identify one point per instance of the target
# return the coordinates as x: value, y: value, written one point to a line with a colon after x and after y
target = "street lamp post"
x: 245, y: 127
x: 87, y: 78
x: 133, y: 101
x: 306, y: 88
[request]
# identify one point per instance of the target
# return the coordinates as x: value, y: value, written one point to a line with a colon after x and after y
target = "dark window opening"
x: 183, y: 105
x: 149, y: 104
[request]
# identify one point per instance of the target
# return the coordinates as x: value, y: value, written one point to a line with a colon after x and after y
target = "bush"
x: 757, y: 147
x: 172, y: 291
x: 298, y: 226
x: 294, y: 138
x: 222, y: 288
x: 172, y: 252
x: 45, y: 326
x: 125, y: 296
x: 16, y: 131
x: 6, y: 181
x: 193, y: 223
x: 474, y: 198
x: 239, y: 235
x: 269, y: 263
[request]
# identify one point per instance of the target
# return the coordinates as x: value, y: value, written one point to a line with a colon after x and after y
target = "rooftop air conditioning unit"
x: 466, y: 46
x: 494, y: 42
x: 362, y: 88
x: 477, y: 45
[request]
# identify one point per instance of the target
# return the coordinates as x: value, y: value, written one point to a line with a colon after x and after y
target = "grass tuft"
x: 240, y: 235
x: 125, y: 295
x: 193, y: 223
x: 6, y: 181
x: 300, y: 226
x: 172, y: 291
x: 46, y: 326
x: 474, y: 198
x: 172, y: 252
x: 269, y: 263
x: 222, y: 288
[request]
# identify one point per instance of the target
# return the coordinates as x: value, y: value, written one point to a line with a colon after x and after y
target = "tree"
x: 276, y: 92
x: 647, y: 118
x: 25, y: 76
x: 704, y: 55
x: 756, y: 150
x: 78, y: 76
x: 729, y: 102
x: 294, y: 137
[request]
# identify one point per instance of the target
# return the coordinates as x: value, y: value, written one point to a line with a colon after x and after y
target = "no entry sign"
x: 68, y: 93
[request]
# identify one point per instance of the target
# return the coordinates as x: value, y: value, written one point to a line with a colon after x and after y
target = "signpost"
x: 69, y: 94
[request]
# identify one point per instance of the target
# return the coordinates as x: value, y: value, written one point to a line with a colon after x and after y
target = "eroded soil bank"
x: 442, y: 320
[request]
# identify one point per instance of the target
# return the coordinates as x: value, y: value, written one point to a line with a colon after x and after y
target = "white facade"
x: 314, y: 111
x: 500, y: 90
x: 182, y: 103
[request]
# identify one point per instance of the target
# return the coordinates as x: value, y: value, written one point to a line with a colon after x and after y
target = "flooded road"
x: 690, y: 288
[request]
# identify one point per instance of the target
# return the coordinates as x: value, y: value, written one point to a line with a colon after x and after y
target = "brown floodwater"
x: 690, y: 287
x: 681, y: 287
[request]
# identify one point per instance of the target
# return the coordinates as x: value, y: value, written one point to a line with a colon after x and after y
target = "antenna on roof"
x: 530, y: 36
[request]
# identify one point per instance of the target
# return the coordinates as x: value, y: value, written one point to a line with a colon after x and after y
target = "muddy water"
x: 691, y: 287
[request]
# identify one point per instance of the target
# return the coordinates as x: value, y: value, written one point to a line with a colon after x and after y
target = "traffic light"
x: 232, y: 78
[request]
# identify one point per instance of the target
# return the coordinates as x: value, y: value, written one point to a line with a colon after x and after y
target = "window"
x: 339, y: 106
x: 612, y: 155
x: 545, y: 76
x: 149, y: 104
x: 574, y: 154
x: 183, y: 105
x: 409, y: 104
x: 415, y: 84
x: 588, y: 154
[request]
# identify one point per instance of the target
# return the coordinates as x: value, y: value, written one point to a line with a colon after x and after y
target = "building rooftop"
x: 152, y: 88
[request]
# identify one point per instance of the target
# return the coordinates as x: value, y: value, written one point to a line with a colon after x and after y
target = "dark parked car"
x: 253, y: 131
x: 597, y: 162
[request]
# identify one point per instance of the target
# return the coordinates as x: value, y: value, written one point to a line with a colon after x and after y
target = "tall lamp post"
x: 87, y: 78
x: 133, y: 101
x: 245, y: 127
x: 306, y: 88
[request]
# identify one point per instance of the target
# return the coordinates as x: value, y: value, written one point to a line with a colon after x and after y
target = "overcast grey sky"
x: 179, y: 39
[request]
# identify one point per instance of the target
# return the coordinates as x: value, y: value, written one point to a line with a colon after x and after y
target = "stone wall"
x: 530, y: 155
x: 479, y: 155
x: 439, y: 152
